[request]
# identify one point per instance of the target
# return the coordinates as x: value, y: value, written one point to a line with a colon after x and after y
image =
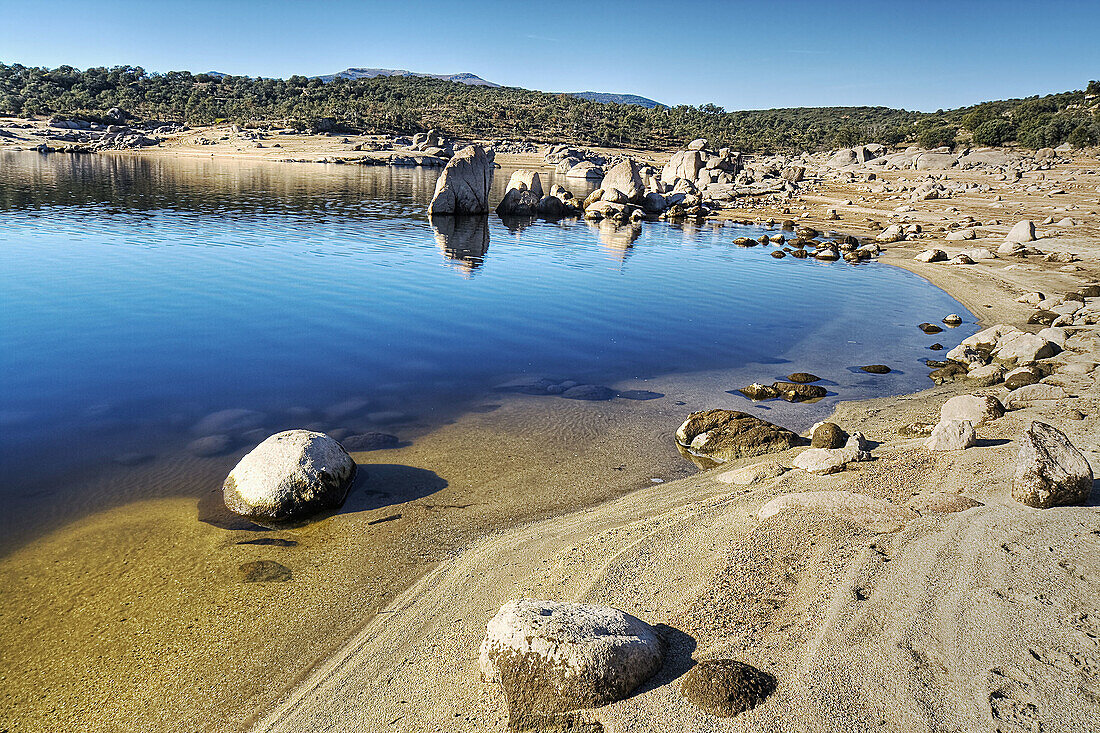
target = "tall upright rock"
x: 463, y: 188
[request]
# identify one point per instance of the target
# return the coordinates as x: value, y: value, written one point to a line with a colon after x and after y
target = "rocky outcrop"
x: 288, y: 476
x: 523, y: 196
x: 626, y: 177
x: 1050, y: 471
x: 725, y: 435
x: 555, y: 657
x: 877, y: 515
x: 463, y: 188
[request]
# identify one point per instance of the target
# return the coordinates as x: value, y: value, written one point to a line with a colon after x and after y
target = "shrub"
x: 937, y: 136
x: 994, y: 132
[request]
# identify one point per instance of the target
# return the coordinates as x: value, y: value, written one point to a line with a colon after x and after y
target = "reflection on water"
x: 145, y: 297
x: 464, y: 239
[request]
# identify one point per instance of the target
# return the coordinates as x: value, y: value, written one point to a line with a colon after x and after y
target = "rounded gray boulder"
x: 554, y: 657
x: 288, y: 476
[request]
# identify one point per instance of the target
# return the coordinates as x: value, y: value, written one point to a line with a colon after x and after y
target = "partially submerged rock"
x: 725, y: 687
x: 555, y: 657
x: 1050, y: 471
x: 803, y: 377
x: 725, y: 435
x: 290, y: 475
x: 463, y: 187
x: 795, y: 392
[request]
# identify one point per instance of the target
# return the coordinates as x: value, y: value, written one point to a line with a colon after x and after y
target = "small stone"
x: 953, y: 320
x: 210, y: 445
x: 936, y: 347
x: 757, y: 391
x: 265, y: 571
x: 876, y: 369
x: 726, y: 687
x: 803, y: 377
x: 929, y: 328
x: 370, y: 441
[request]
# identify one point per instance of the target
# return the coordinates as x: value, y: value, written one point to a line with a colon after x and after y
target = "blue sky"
x: 740, y: 55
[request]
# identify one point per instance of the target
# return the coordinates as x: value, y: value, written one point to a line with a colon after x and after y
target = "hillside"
x: 408, y: 104
x: 605, y: 97
x: 358, y: 73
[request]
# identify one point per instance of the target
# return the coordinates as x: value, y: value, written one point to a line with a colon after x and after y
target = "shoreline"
x: 975, y: 287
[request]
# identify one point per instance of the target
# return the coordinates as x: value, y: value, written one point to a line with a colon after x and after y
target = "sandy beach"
x: 979, y: 618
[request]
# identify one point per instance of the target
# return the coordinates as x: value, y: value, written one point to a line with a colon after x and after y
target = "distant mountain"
x: 464, y: 78
x: 617, y: 99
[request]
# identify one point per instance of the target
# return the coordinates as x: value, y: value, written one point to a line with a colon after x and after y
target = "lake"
x: 148, y: 303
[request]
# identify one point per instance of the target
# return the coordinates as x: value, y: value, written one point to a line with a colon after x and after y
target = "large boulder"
x: 1024, y: 231
x: 463, y: 187
x: 726, y: 435
x: 1024, y: 348
x: 585, y: 169
x: 290, y: 475
x: 526, y: 180
x: 1050, y: 471
x: 626, y: 176
x: 554, y: 657
x: 976, y: 409
x: 684, y: 164
x: 935, y: 161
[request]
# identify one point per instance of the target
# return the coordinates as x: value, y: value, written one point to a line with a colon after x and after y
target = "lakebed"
x: 145, y: 602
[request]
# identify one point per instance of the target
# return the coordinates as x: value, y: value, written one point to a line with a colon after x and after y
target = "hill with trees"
x: 409, y: 104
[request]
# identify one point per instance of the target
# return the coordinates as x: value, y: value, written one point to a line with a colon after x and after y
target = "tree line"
x: 405, y: 105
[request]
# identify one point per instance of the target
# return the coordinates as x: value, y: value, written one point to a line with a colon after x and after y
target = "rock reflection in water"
x: 464, y: 239
x: 616, y: 239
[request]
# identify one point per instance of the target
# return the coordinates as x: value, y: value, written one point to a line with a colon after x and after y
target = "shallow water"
x: 141, y: 295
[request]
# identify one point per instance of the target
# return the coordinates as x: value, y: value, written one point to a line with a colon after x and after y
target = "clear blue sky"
x: 740, y: 55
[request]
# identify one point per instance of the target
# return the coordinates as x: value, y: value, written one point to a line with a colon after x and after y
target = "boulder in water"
x: 463, y: 187
x: 290, y: 475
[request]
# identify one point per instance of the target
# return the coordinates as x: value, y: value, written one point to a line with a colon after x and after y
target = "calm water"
x: 138, y: 296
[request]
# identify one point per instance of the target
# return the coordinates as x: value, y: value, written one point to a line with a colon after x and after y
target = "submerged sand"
x: 987, y: 619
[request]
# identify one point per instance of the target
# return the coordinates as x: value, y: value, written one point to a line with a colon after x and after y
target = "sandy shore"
x: 985, y: 619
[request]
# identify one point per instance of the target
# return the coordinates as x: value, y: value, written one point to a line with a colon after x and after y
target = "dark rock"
x: 640, y: 394
x: 726, y: 687
x: 828, y: 435
x: 803, y: 377
x: 950, y: 373
x: 264, y: 571
x: 370, y: 441
x: 876, y: 369
x: 1043, y: 318
x: 936, y: 347
x: 590, y: 392
x: 270, y: 541
x: 1021, y: 378
x: 725, y: 435
x: 793, y: 392
x: 929, y: 328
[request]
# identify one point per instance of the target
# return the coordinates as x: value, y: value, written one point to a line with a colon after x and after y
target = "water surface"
x: 141, y: 295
